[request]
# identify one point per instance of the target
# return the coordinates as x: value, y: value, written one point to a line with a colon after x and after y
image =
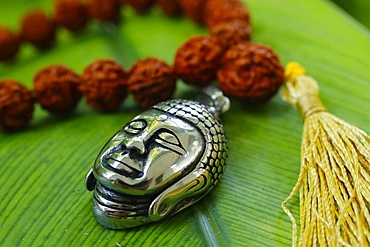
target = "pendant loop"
x: 214, y: 98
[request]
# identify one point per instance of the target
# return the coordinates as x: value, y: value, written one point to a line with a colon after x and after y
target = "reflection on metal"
x: 161, y: 162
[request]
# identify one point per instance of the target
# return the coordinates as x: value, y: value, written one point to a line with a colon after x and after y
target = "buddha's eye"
x: 170, y: 141
x: 135, y: 127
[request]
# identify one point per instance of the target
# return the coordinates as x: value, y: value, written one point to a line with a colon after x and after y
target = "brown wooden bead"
x: 198, y: 59
x: 251, y: 72
x: 38, y: 29
x: 104, y: 84
x: 151, y: 81
x: 16, y: 105
x: 71, y: 14
x: 104, y: 10
x: 217, y: 11
x: 56, y: 88
x: 231, y: 32
x: 193, y: 9
x: 9, y: 44
x: 170, y: 7
x: 140, y: 5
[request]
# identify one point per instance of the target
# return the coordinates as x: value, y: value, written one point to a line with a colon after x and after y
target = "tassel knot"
x: 302, y: 91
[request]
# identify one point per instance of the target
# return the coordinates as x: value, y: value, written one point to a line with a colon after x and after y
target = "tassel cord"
x: 334, y: 180
x: 339, y: 182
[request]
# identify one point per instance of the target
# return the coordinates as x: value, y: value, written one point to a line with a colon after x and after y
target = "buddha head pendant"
x: 163, y: 161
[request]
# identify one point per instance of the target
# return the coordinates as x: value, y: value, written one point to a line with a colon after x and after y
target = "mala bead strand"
x: 151, y: 81
x: 245, y: 70
x: 39, y: 30
x: 198, y: 60
x: 220, y: 15
x: 103, y: 83
x: 16, y: 105
x: 56, y: 88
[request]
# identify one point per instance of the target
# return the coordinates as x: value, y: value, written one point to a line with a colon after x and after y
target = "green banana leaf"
x: 43, y: 200
x: 358, y: 9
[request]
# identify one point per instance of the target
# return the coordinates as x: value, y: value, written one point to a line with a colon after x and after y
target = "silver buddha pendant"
x: 163, y: 161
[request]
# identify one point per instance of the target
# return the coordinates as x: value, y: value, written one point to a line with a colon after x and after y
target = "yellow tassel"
x: 334, y: 180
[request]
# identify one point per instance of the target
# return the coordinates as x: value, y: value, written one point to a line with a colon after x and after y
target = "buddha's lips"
x: 132, y: 167
x: 122, y: 168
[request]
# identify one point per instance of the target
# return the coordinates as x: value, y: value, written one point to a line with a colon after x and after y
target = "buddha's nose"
x: 136, y: 145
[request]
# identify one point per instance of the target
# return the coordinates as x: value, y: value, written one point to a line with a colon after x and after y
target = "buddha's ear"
x: 185, y: 192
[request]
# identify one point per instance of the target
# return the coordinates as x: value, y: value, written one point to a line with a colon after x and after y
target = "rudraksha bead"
x: 9, y: 44
x: 16, y: 105
x: 104, y: 10
x: 231, y: 32
x: 217, y: 11
x: 251, y: 72
x: 104, y: 84
x: 56, y: 88
x: 193, y: 9
x: 71, y: 14
x: 139, y: 5
x: 151, y: 81
x: 170, y: 7
x: 38, y: 29
x: 198, y: 59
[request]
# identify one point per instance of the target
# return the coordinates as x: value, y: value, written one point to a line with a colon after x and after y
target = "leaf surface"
x: 43, y: 198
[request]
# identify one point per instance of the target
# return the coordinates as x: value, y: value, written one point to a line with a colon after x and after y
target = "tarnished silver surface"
x: 161, y: 162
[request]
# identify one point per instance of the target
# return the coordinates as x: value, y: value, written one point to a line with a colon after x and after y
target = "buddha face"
x: 150, y: 153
